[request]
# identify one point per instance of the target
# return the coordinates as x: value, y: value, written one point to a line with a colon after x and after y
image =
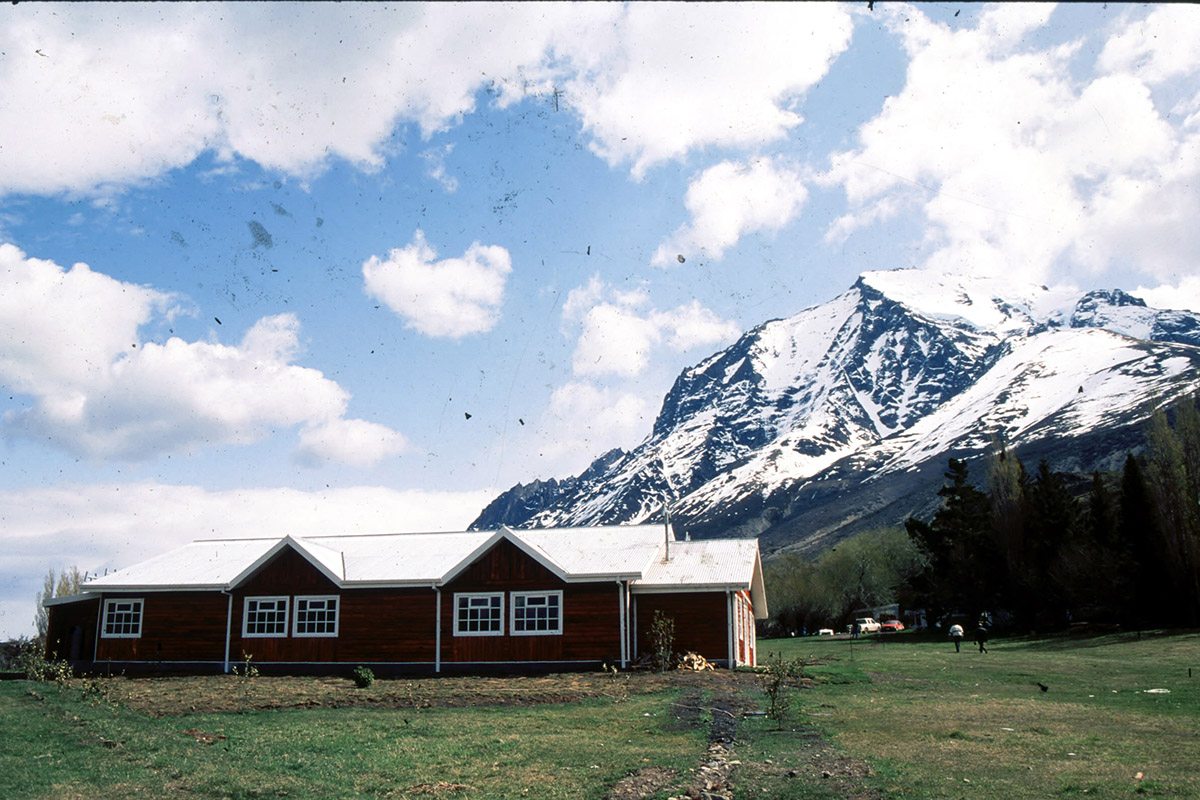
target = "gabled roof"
x: 613, y: 552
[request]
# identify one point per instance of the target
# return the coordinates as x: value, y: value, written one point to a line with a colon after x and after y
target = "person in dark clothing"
x: 981, y: 637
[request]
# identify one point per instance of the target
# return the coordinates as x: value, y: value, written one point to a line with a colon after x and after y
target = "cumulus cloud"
x: 70, y: 340
x: 584, y: 420
x: 730, y: 200
x: 664, y: 79
x: 1165, y: 45
x: 107, y: 96
x: 348, y: 441
x: 453, y: 298
x: 619, y: 331
x: 116, y: 95
x: 112, y: 526
x: 1017, y: 166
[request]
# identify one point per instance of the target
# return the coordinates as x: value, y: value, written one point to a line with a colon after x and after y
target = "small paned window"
x: 122, y: 619
x: 316, y: 616
x: 265, y: 616
x: 536, y: 613
x: 479, y: 614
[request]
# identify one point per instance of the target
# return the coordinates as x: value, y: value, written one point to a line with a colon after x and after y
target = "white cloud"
x: 730, y: 200
x: 1164, y: 45
x: 105, y: 96
x: 1181, y: 296
x: 435, y: 166
x: 454, y: 297
x: 117, y: 94
x: 664, y: 79
x: 584, y: 420
x: 618, y: 335
x: 1017, y: 167
x: 115, y: 525
x: 70, y: 340
x: 349, y: 441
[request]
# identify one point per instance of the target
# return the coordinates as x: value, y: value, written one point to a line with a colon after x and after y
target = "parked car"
x: 891, y: 626
x: 867, y: 625
x: 825, y: 632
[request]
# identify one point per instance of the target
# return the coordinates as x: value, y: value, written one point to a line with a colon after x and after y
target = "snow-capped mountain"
x: 843, y: 416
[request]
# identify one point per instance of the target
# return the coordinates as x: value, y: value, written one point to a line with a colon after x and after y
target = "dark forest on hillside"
x: 1033, y: 550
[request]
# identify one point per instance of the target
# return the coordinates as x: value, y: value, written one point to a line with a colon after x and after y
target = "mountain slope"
x: 842, y: 416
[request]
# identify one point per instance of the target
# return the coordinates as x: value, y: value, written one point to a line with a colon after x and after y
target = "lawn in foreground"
x: 1119, y: 717
x: 57, y: 745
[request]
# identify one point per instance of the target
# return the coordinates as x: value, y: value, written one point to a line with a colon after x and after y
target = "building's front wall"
x: 405, y: 626
x: 590, y: 614
x: 701, y: 622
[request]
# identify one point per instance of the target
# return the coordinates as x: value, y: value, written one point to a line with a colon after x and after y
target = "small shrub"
x: 662, y: 634
x: 781, y: 674
x: 31, y: 659
x: 363, y: 677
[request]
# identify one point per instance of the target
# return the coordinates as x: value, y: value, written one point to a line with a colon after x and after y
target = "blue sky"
x: 273, y: 269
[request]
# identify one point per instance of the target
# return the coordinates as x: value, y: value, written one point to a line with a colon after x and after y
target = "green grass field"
x: 1120, y: 717
x: 899, y: 717
x: 62, y: 747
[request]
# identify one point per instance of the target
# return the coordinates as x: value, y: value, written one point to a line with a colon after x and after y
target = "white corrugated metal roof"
x: 208, y: 563
x: 627, y: 552
x: 708, y: 563
x: 397, y: 558
x: 705, y: 562
x: 622, y: 550
x: 404, y: 558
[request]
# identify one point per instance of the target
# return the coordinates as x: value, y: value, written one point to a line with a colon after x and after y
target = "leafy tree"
x: 68, y: 582
x: 1007, y: 482
x: 1173, y: 480
x: 867, y: 569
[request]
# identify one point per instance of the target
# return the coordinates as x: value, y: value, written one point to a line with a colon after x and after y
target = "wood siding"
x: 399, y: 625
x: 591, y: 619
x: 176, y: 626
x: 71, y: 630
x: 701, y: 622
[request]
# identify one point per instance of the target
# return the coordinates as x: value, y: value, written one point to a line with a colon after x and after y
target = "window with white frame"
x: 265, y: 616
x: 316, y: 616
x: 122, y: 619
x: 536, y: 613
x: 479, y: 614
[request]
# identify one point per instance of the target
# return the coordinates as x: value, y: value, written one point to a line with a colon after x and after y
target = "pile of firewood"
x: 695, y: 662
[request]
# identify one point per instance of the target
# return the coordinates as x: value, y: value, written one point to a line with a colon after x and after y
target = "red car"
x: 891, y: 626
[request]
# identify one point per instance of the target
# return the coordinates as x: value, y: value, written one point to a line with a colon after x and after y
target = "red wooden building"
x: 437, y: 602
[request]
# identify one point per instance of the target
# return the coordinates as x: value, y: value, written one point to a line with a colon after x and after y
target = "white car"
x: 867, y: 625
x: 825, y: 632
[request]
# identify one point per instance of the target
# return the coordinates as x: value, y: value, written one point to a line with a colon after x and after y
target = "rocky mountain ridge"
x: 841, y: 417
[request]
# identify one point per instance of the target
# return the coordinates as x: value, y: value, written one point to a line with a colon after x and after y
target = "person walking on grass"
x: 956, y: 635
x: 981, y: 637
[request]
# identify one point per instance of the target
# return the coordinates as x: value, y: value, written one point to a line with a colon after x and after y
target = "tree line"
x: 1036, y: 550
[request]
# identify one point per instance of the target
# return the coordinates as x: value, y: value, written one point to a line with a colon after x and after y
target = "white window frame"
x: 459, y: 629
x: 285, y: 604
x: 135, y: 617
x: 524, y: 596
x: 320, y: 598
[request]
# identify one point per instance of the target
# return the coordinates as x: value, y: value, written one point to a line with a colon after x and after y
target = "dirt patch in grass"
x: 183, y: 695
x: 817, y: 764
x: 643, y: 783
